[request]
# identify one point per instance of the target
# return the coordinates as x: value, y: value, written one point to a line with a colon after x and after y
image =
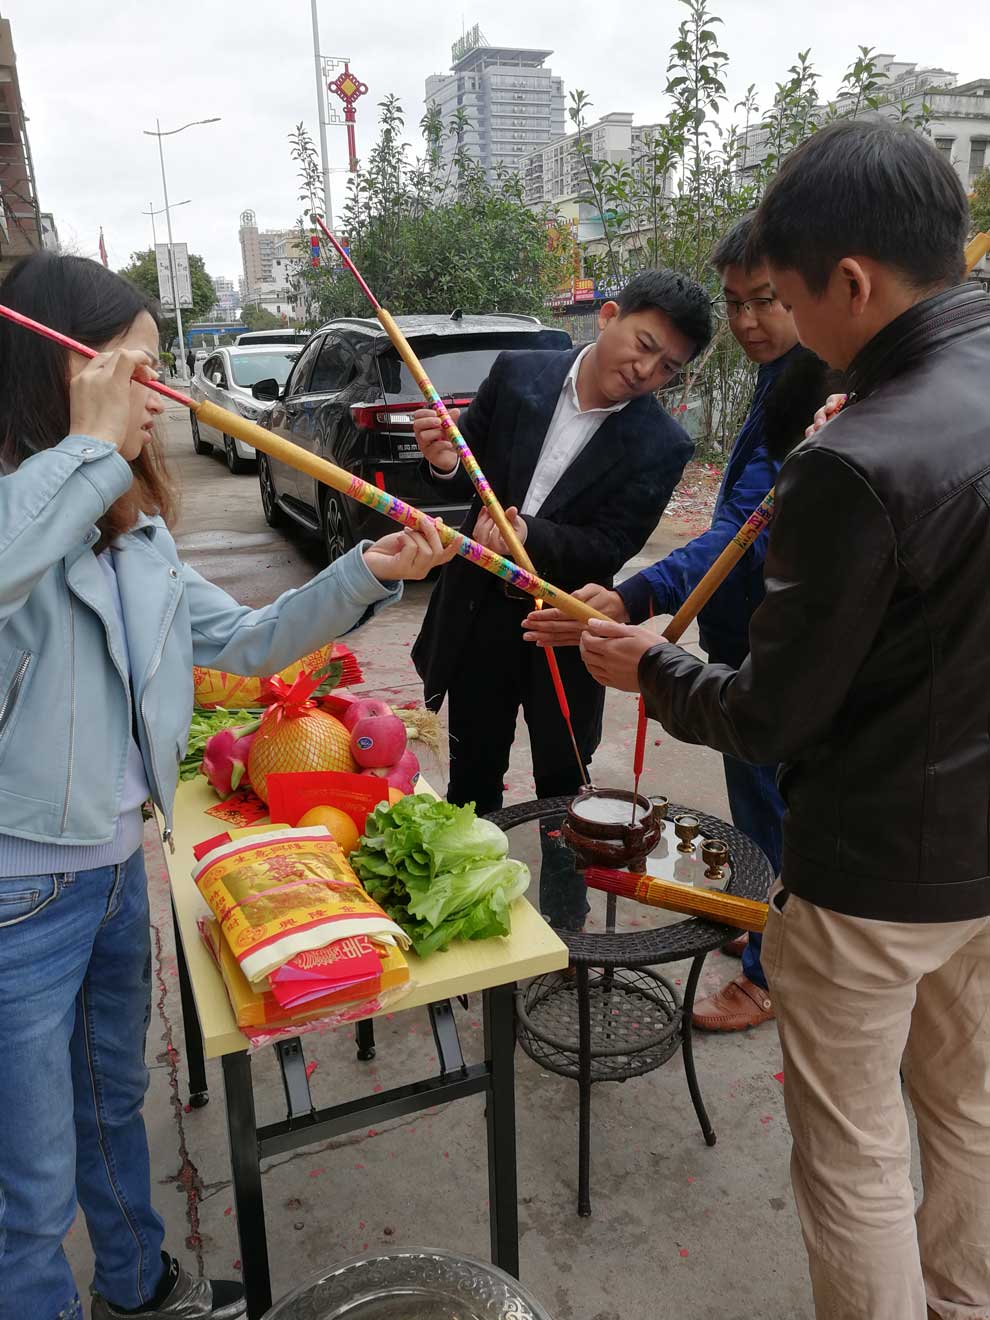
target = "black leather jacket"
x: 869, y: 667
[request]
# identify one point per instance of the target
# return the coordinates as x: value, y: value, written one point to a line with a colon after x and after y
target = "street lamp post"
x: 321, y: 115
x: 152, y: 212
x: 157, y: 132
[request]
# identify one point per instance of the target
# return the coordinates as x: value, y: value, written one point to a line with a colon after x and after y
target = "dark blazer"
x: 869, y: 667
x: 597, y: 517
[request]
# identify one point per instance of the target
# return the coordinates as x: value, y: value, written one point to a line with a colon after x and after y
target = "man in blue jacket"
x: 766, y: 334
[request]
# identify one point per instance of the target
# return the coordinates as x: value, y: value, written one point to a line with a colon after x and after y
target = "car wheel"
x: 271, y: 508
x: 200, y: 445
x: 334, y: 525
x: 235, y: 463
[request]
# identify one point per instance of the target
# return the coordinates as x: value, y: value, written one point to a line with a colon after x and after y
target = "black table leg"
x: 364, y: 1039
x: 500, y: 1044
x: 245, y: 1165
x: 195, y: 1062
x: 584, y: 1090
x: 687, y: 1047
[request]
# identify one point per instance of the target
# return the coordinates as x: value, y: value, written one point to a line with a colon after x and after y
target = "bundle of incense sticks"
x: 730, y: 910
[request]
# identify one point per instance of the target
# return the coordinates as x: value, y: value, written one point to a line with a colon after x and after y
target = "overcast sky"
x: 94, y: 75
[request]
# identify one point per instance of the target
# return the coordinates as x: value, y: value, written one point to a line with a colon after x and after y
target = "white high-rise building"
x: 513, y: 103
x: 959, y: 122
x: 557, y: 172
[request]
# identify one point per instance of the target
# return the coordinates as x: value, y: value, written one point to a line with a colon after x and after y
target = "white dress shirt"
x: 570, y: 430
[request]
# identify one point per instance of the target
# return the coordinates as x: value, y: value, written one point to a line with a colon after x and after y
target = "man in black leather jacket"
x: 869, y: 679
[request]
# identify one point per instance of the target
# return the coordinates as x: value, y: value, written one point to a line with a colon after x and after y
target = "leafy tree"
x: 259, y: 318
x: 425, y: 239
x: 979, y: 204
x: 143, y: 271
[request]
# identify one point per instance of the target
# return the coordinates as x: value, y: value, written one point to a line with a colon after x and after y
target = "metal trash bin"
x: 411, y: 1283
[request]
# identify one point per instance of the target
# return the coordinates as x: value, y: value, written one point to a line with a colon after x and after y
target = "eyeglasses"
x: 727, y: 309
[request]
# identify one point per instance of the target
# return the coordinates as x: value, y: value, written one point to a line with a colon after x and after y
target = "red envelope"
x: 290, y: 796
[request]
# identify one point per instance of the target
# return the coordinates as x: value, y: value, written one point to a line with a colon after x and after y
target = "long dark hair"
x: 92, y: 304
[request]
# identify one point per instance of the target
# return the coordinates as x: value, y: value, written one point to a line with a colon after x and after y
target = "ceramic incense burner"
x: 604, y: 828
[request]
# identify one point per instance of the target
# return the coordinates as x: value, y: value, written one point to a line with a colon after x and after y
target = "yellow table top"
x: 466, y: 967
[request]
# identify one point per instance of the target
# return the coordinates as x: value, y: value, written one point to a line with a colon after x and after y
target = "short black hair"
x: 865, y: 188
x: 677, y: 296
x: 733, y: 248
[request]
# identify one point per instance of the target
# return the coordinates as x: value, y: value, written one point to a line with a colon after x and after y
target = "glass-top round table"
x: 611, y: 1016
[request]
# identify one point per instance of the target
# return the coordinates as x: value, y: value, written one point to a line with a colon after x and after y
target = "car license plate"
x: 408, y: 449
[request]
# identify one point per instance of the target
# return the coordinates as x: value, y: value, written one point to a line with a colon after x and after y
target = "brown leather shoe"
x: 735, y: 948
x: 735, y: 1007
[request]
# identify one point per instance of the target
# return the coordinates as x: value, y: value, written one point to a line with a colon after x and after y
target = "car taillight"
x: 392, y: 416
x: 384, y: 416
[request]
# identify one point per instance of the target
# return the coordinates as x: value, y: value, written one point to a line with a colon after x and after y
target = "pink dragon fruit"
x: 225, y: 758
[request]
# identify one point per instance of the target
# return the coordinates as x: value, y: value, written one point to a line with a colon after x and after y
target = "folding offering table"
x: 490, y: 966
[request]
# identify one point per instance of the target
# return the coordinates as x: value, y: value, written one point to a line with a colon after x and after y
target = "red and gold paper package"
x: 213, y: 687
x: 279, y: 894
x: 254, y: 1008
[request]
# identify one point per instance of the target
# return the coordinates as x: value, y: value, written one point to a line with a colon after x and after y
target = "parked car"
x: 226, y: 377
x: 350, y: 399
x: 267, y: 337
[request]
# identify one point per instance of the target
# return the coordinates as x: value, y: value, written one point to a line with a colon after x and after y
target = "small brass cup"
x: 686, y: 828
x: 660, y: 805
x: 715, y: 855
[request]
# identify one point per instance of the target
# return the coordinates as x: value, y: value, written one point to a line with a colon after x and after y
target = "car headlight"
x: 249, y: 410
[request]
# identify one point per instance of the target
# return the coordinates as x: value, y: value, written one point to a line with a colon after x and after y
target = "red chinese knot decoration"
x: 349, y: 88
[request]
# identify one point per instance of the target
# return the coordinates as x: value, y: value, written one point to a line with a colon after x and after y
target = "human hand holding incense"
x: 487, y: 533
x: 612, y: 652
x: 408, y: 555
x: 439, y: 452
x: 552, y: 628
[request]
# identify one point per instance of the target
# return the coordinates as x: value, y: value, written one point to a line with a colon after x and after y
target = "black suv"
x: 350, y: 399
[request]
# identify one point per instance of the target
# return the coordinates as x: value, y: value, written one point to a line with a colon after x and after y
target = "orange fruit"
x: 340, y: 825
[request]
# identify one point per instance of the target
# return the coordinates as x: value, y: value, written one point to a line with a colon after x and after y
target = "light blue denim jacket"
x: 65, y: 699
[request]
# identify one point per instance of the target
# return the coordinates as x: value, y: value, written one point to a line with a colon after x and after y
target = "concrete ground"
x: 678, y: 1230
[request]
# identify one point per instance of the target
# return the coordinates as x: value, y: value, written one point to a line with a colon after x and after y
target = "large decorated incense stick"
x: 471, y: 466
x: 345, y: 482
x: 715, y: 904
x: 757, y: 522
x: 449, y: 427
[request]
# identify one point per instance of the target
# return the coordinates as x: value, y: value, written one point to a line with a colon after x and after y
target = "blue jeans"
x: 755, y: 805
x: 75, y: 1003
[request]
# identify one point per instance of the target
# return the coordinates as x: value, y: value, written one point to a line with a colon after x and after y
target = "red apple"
x: 378, y: 740
x: 408, y: 765
x: 362, y: 707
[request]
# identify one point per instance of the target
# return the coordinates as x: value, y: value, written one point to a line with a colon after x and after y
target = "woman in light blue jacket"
x: 100, y: 626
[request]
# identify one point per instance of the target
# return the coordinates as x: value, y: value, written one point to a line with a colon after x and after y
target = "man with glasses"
x: 766, y: 334
x: 583, y: 460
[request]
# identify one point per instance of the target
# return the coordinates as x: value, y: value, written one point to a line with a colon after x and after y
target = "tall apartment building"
x: 556, y: 172
x: 959, y: 123
x: 20, y: 215
x: 514, y: 104
x: 227, y: 298
x: 260, y: 247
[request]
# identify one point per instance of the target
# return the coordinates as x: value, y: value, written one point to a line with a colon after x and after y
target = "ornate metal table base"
x: 611, y: 1017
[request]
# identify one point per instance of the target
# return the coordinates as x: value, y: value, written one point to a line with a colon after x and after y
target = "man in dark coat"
x: 583, y: 459
x: 868, y: 679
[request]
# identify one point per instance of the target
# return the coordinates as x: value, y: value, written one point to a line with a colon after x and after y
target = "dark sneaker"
x: 182, y: 1298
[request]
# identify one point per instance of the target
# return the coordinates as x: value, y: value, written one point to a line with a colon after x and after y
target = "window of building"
x: 977, y: 156
x: 944, y: 145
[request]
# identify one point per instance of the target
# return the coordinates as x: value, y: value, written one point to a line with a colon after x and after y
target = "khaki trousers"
x: 855, y: 1002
